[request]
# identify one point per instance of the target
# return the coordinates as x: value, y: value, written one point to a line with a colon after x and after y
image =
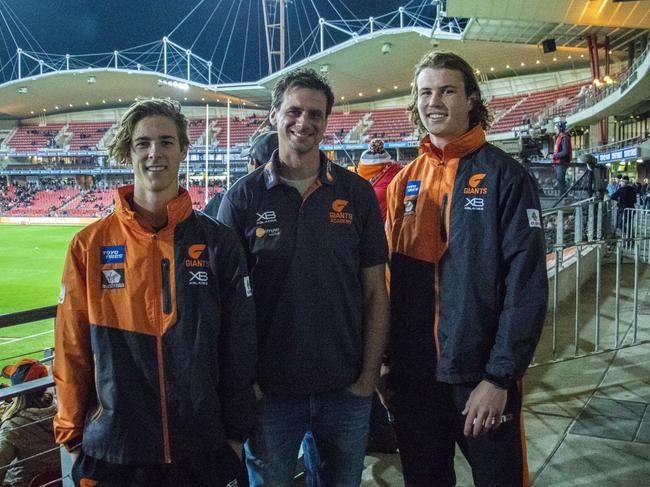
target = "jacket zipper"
x: 159, y: 352
x: 443, y: 237
x: 443, y: 219
x: 166, y: 291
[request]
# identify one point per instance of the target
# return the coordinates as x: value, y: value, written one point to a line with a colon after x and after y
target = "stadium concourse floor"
x: 587, y: 420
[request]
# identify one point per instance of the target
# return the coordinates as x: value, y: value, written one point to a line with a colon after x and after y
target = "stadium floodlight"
x: 174, y: 84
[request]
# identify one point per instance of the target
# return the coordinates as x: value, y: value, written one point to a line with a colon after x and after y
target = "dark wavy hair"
x: 302, y: 78
x: 478, y: 115
x: 120, y: 147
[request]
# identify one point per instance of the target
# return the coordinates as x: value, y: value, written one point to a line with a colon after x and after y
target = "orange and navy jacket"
x: 468, y: 281
x: 155, y: 337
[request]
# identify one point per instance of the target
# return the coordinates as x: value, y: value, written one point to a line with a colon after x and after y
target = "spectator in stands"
x: 377, y: 166
x: 154, y: 370
x: 27, y: 445
x: 314, y: 237
x: 562, y: 155
x: 461, y: 340
x: 625, y: 196
x: 613, y: 185
x: 645, y: 194
x: 597, y: 176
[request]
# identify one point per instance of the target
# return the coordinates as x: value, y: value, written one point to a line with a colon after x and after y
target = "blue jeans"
x: 338, y: 421
x: 560, y: 177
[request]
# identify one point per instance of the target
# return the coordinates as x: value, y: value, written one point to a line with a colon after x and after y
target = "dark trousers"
x: 221, y: 468
x: 429, y: 424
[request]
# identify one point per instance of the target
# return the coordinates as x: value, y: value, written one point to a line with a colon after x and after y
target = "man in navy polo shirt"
x: 316, y: 247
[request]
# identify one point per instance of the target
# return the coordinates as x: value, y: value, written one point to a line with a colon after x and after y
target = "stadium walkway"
x: 587, y: 419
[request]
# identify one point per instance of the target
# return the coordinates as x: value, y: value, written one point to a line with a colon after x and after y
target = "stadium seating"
x: 86, y: 135
x: 339, y: 125
x: 240, y: 129
x: 390, y: 125
x: 43, y: 202
x: 511, y: 111
x: 197, y: 193
x: 195, y: 129
x: 28, y: 138
x: 88, y: 203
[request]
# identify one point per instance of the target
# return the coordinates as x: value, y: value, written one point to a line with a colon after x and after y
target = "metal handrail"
x: 28, y: 316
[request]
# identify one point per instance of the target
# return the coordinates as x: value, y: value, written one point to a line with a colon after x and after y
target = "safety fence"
x: 599, y: 280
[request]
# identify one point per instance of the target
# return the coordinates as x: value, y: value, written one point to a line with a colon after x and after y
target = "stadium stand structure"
x: 31, y: 136
x: 195, y: 129
x: 339, y: 125
x: 88, y: 203
x: 43, y: 202
x: 240, y: 130
x: 86, y: 135
x: 390, y: 125
x: 510, y: 111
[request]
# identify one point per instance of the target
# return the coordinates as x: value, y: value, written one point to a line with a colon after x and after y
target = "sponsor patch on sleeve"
x: 534, y: 221
x: 112, y: 254
x: 62, y: 293
x: 248, y: 287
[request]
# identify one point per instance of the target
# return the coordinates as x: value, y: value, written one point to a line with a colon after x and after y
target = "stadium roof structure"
x: 500, y: 38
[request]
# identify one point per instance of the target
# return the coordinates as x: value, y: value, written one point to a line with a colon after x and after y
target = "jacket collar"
x: 457, y: 148
x: 272, y: 174
x: 178, y: 209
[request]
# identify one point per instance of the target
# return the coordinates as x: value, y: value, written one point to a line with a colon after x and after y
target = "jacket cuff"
x: 500, y: 382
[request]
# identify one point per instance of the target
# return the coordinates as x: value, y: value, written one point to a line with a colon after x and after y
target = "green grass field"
x: 31, y: 263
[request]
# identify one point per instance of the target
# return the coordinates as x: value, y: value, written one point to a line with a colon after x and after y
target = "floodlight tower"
x: 274, y: 30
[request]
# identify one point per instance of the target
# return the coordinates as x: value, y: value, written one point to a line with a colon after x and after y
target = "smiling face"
x: 156, y: 155
x: 301, y: 121
x: 443, y: 105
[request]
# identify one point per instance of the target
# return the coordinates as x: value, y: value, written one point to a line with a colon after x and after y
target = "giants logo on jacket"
x: 196, y: 257
x: 337, y: 215
x: 474, y: 183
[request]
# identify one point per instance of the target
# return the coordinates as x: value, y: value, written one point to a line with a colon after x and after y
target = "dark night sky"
x: 86, y: 26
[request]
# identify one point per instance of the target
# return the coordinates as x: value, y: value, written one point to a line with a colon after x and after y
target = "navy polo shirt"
x: 305, y: 259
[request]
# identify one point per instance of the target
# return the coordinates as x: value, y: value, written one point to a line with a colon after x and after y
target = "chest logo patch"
x: 112, y: 278
x: 266, y: 232
x: 411, y: 196
x: 266, y: 217
x: 474, y: 204
x: 412, y: 189
x: 113, y: 254
x: 196, y: 256
x: 474, y: 183
x: 337, y: 215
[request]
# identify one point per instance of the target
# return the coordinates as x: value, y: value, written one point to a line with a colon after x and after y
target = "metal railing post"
x: 599, y: 248
x: 635, y: 311
x: 617, y: 303
x: 556, y: 271
x: 576, y: 331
